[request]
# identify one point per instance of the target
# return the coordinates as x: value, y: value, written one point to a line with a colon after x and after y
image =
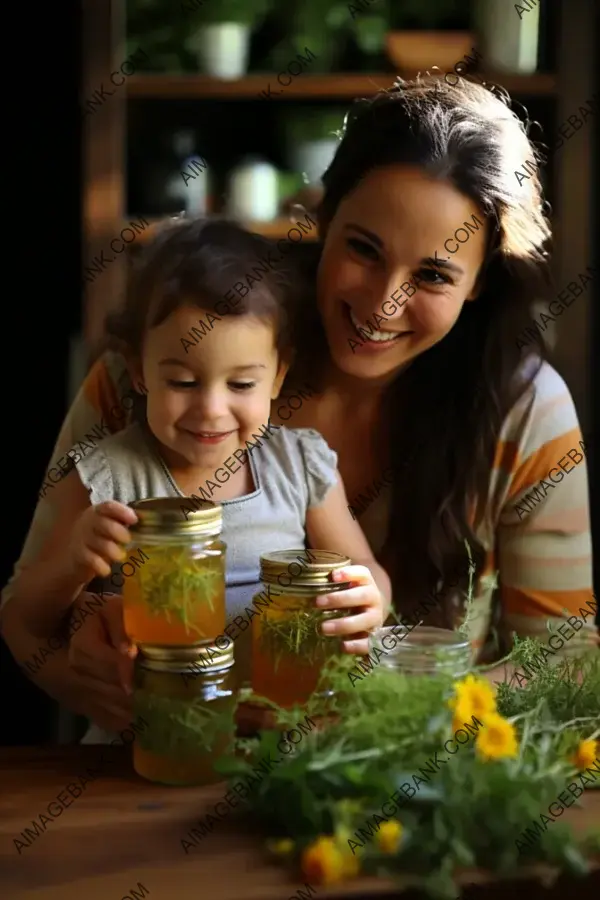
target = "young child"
x: 211, y: 359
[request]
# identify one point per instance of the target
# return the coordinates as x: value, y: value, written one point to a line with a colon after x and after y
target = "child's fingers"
x: 108, y: 551
x: 105, y: 528
x: 355, y: 574
x: 358, y: 645
x: 357, y: 596
x: 114, y: 510
x: 94, y: 561
x: 364, y: 621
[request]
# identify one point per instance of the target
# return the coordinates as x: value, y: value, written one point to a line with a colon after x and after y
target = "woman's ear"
x: 282, y: 370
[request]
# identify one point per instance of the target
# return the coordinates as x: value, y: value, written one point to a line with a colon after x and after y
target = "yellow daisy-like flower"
x: 497, y: 739
x: 474, y: 697
x: 389, y: 836
x: 586, y: 754
x: 323, y: 862
x: 282, y: 847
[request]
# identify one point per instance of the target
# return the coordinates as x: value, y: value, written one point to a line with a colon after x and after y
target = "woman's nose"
x: 398, y: 291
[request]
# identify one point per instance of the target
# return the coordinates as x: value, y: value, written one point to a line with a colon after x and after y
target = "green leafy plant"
x: 211, y: 12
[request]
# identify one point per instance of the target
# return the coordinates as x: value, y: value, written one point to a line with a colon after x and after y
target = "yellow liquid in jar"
x: 174, y: 597
x: 289, y: 649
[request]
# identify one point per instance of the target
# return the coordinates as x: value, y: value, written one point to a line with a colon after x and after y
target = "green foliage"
x: 378, y: 735
x: 568, y: 689
x: 180, y: 728
x: 247, y: 12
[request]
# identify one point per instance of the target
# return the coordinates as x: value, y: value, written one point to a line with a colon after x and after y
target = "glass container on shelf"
x: 176, y: 595
x: 288, y: 646
x: 424, y: 650
x: 188, y: 697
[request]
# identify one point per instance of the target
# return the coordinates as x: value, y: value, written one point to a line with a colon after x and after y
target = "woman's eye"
x: 181, y: 384
x: 432, y: 276
x: 363, y: 248
x: 242, y: 385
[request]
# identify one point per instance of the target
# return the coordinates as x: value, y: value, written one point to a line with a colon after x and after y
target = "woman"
x: 450, y: 430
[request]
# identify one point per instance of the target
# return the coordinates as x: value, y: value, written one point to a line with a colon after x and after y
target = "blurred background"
x: 247, y: 97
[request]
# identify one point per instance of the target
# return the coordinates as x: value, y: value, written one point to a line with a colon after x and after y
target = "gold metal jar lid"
x: 200, y: 658
x: 301, y: 568
x: 165, y: 516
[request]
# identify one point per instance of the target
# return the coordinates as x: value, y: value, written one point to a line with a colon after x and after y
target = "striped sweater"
x: 536, y: 529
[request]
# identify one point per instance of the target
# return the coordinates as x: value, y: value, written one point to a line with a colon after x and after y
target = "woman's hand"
x: 365, y: 598
x: 102, y: 658
x: 98, y: 540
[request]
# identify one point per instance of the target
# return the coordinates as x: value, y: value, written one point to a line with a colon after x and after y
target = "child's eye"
x: 181, y: 384
x: 433, y: 277
x: 242, y: 385
x: 363, y: 248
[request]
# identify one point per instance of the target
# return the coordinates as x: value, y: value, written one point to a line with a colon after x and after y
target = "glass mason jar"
x: 423, y: 650
x: 288, y: 646
x: 176, y: 597
x: 188, y: 699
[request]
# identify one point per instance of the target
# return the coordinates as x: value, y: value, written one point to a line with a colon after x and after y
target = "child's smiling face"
x: 205, y: 403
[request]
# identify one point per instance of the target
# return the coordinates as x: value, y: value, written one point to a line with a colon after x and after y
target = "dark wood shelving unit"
x: 326, y: 87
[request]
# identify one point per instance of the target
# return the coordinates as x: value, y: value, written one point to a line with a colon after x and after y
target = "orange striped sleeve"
x: 542, y: 544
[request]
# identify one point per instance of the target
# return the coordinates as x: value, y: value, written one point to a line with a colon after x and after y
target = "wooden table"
x: 123, y: 834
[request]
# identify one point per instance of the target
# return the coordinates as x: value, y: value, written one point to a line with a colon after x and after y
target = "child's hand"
x: 98, y: 538
x: 365, y: 597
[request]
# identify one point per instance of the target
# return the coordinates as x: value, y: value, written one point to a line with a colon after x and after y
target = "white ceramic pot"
x: 509, y: 36
x: 253, y: 192
x: 312, y: 158
x: 222, y: 49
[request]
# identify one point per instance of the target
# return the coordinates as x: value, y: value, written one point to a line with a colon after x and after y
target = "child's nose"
x: 212, y: 404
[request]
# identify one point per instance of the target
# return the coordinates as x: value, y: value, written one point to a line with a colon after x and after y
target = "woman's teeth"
x: 377, y: 336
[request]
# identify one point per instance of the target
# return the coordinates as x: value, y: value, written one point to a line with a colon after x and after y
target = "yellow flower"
x: 497, y: 738
x: 282, y: 847
x: 323, y: 862
x: 474, y: 697
x: 586, y: 754
x: 389, y: 836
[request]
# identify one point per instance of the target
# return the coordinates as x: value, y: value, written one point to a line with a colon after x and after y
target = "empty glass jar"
x: 422, y: 650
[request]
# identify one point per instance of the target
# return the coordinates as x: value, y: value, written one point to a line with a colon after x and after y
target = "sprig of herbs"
x: 174, y: 584
x: 297, y: 633
x: 183, y: 727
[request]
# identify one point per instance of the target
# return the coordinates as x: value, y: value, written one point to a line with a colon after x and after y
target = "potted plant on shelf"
x: 428, y: 33
x: 311, y: 137
x: 221, y: 40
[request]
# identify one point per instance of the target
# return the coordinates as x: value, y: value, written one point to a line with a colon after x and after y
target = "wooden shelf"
x: 343, y: 86
x: 278, y: 228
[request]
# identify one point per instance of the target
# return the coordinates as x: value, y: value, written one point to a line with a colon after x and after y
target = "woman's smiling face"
x: 398, y: 263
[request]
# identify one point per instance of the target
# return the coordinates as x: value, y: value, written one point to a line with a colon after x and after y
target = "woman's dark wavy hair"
x: 449, y: 405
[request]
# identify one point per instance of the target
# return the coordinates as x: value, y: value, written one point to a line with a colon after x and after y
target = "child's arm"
x: 330, y: 526
x: 82, y: 543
